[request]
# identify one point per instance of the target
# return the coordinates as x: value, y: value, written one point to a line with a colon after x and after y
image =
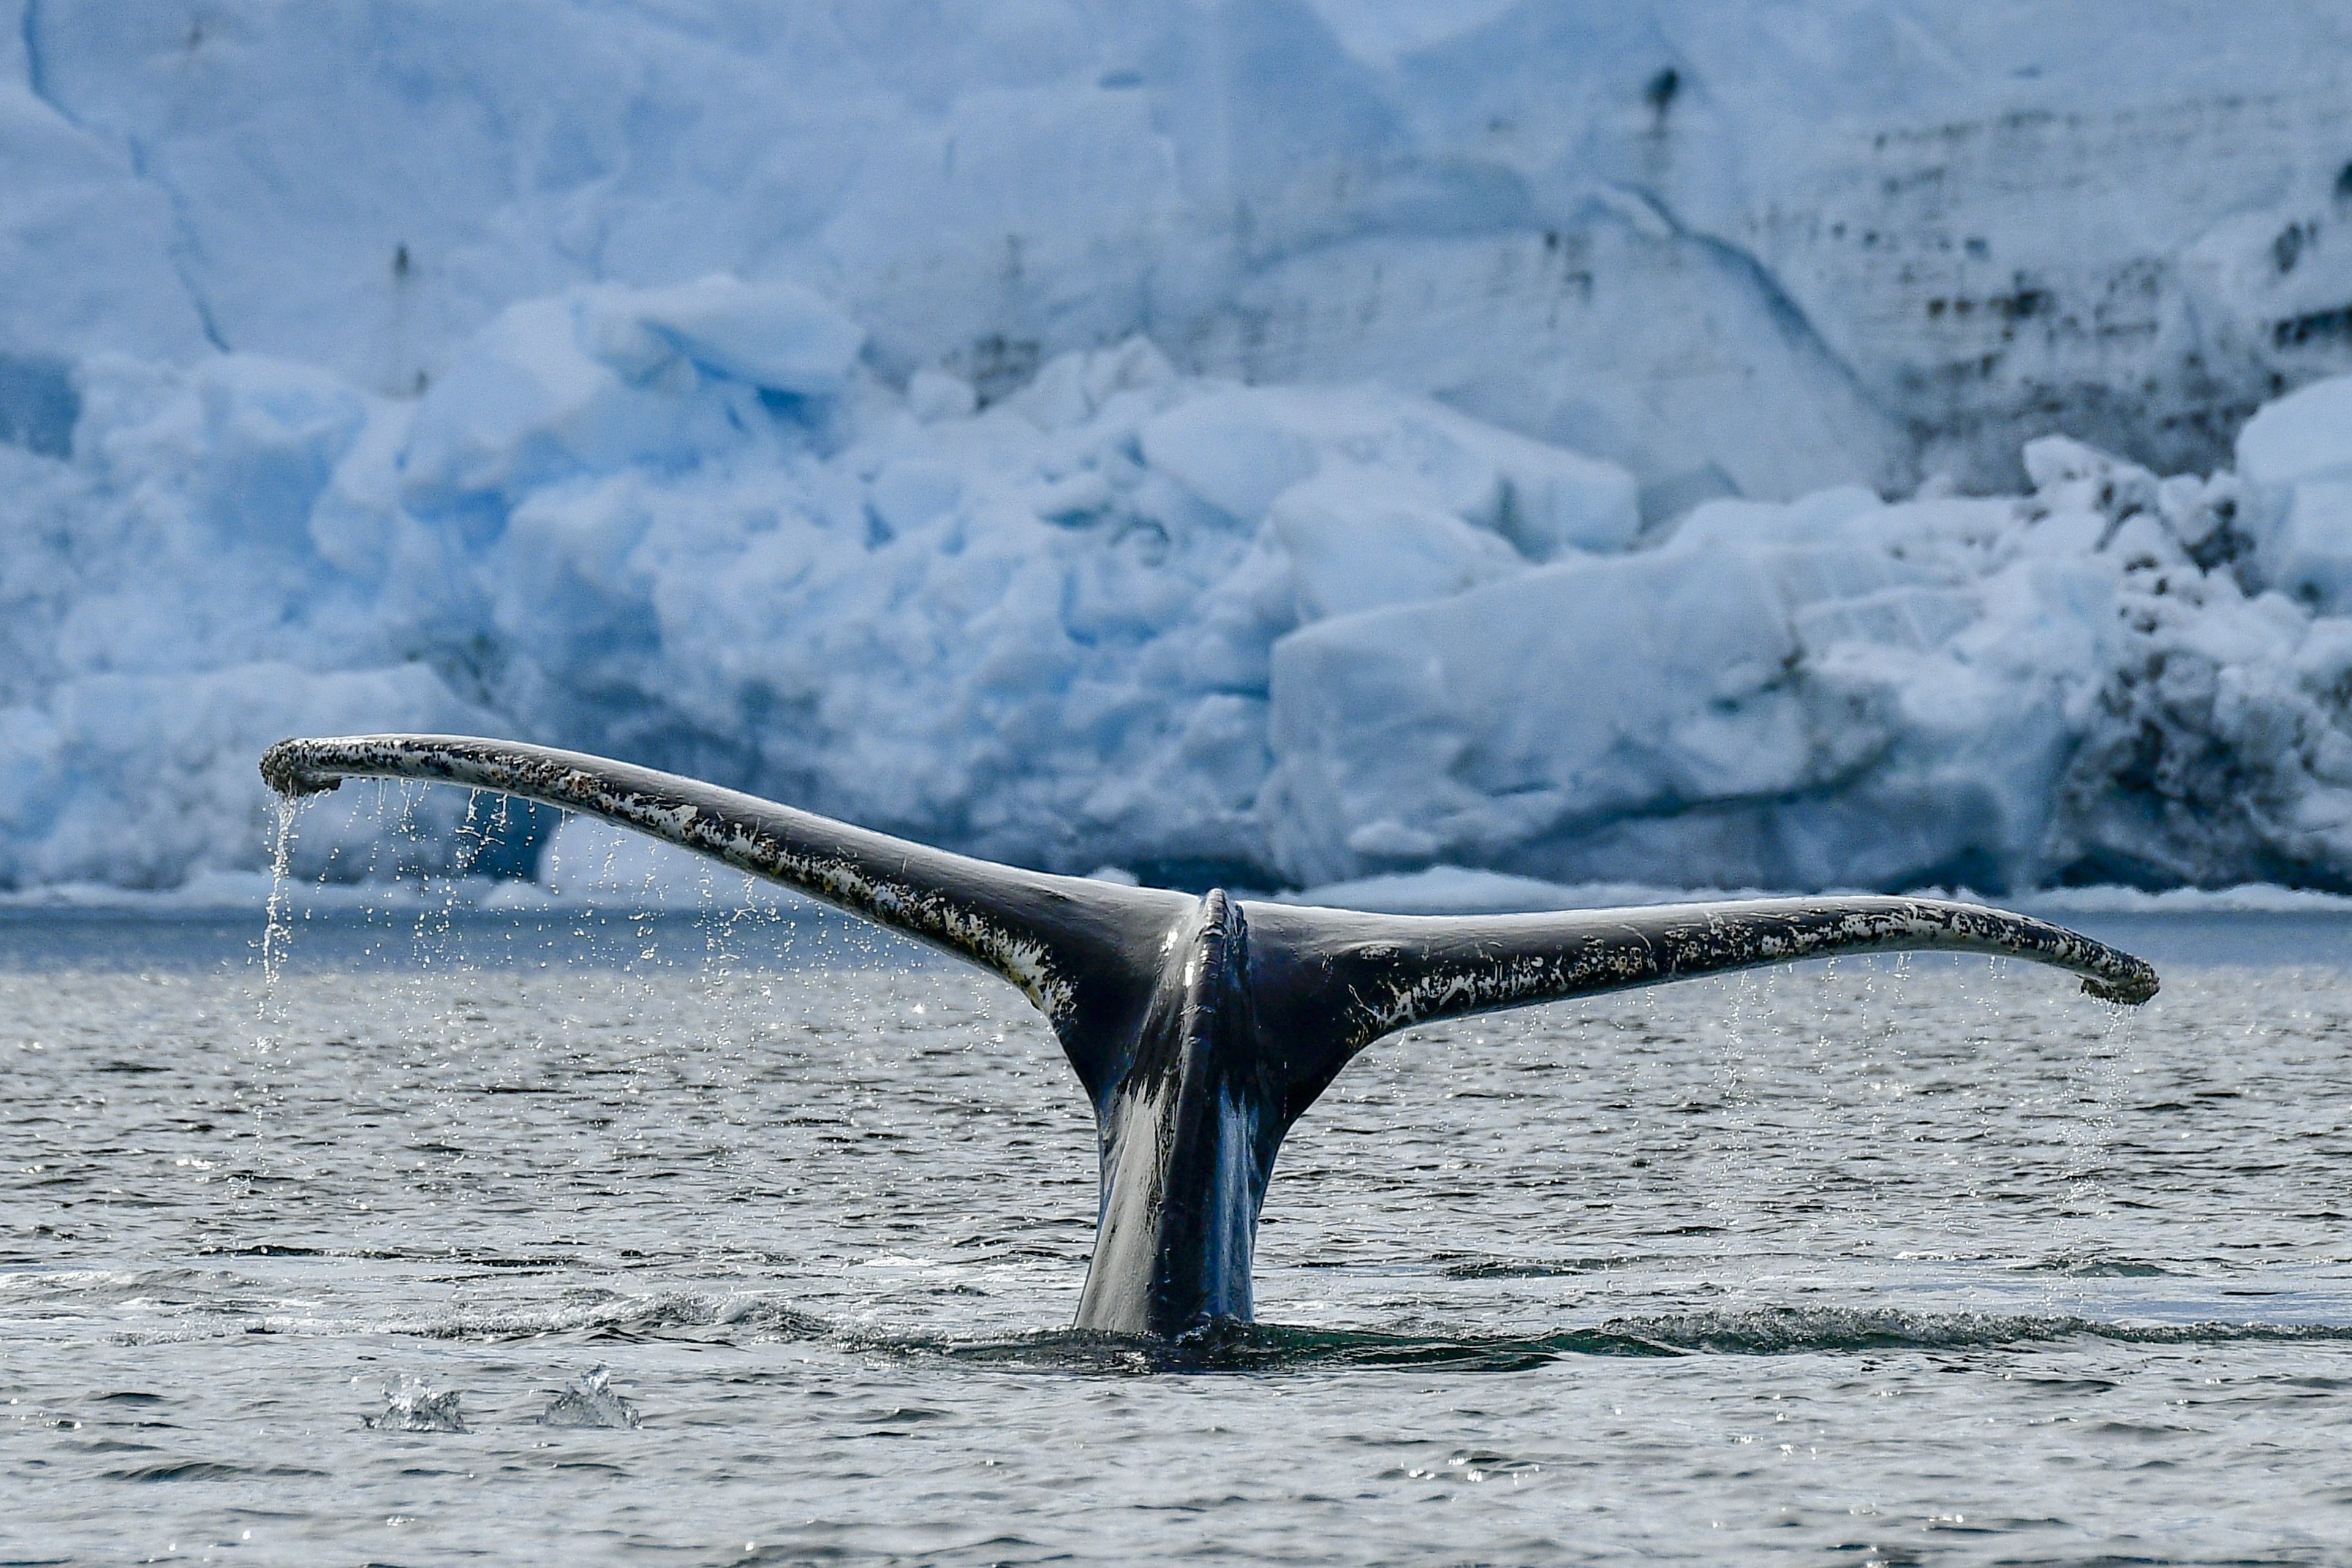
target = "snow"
x: 1289, y: 445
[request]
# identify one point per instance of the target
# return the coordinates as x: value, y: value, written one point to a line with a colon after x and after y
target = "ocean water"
x: 550, y: 1237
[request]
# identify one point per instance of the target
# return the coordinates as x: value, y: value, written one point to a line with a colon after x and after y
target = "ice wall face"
x: 1197, y: 629
x: 1738, y: 247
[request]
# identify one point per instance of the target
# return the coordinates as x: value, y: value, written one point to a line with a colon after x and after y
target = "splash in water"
x: 413, y: 1405
x: 589, y: 1402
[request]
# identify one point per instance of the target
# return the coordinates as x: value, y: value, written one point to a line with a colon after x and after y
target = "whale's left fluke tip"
x: 2133, y: 984
x: 283, y: 770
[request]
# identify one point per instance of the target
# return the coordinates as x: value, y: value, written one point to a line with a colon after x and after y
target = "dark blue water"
x: 1859, y: 1262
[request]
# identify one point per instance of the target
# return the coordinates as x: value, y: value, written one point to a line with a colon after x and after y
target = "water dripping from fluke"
x: 279, y: 929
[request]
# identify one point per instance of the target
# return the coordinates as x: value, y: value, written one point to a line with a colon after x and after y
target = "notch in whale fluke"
x: 1200, y: 1028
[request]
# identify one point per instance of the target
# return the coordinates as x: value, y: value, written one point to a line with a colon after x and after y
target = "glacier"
x: 1281, y: 444
x: 1171, y: 624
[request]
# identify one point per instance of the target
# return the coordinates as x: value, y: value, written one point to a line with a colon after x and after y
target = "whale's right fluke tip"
x: 283, y: 770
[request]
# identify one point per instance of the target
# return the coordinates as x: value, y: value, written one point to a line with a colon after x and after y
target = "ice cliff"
x: 1265, y: 442
x: 1199, y: 629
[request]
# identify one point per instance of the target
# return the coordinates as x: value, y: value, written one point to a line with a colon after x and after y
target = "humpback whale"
x: 1199, y: 1028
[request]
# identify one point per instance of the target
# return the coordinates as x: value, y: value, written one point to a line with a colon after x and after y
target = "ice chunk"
x: 1239, y: 449
x: 526, y: 403
x: 1233, y: 449
x: 933, y: 395
x: 2307, y: 435
x: 2310, y: 555
x: 2071, y: 477
x: 1515, y: 711
x: 777, y: 334
x: 909, y: 493
x: 1821, y: 518
x: 1074, y: 388
x: 1355, y: 544
x: 597, y: 379
x: 1549, y: 500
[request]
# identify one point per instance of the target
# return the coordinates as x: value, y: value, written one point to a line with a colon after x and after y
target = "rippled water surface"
x: 1866, y: 1263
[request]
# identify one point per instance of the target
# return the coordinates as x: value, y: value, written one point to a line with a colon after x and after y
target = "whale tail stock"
x: 1200, y: 1028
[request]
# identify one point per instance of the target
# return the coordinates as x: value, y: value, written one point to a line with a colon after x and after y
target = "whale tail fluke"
x: 1350, y: 975
x: 1200, y: 1028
